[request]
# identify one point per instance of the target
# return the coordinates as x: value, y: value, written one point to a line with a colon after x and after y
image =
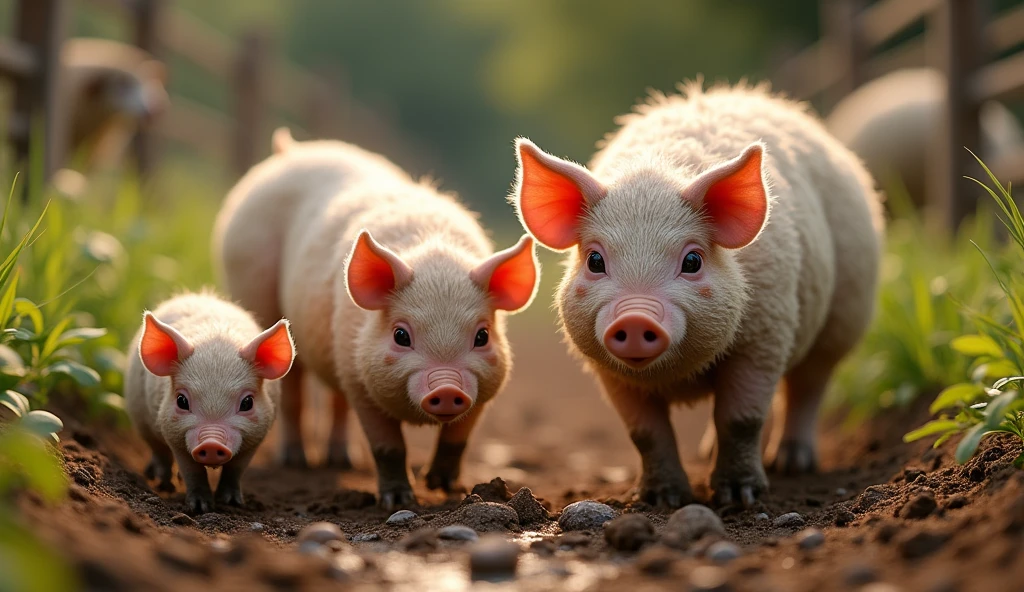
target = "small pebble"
x: 723, y: 552
x: 956, y: 502
x: 320, y: 533
x: 629, y: 532
x: 656, y: 560
x: 310, y: 547
x: 585, y: 515
x: 183, y: 520
x: 365, y: 537
x: 256, y: 527
x: 708, y: 578
x: 841, y: 492
x: 860, y: 574
x: 493, y: 557
x: 789, y: 520
x: 690, y: 523
x: 810, y: 538
x: 401, y: 517
x: 761, y: 517
x: 458, y: 532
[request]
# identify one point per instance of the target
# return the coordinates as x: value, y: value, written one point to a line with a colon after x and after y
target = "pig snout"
x: 446, y: 399
x: 636, y: 335
x: 213, y: 449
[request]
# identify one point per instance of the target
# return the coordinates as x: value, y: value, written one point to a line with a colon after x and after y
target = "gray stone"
x: 256, y: 527
x: 585, y: 515
x: 365, y: 537
x: 761, y: 517
x: 810, y: 538
x: 493, y: 557
x: 458, y: 532
x: 320, y: 533
x: 401, y: 517
x: 722, y: 552
x: 789, y: 520
x: 691, y: 523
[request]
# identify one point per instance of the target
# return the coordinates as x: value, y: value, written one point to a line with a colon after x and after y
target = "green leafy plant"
x: 990, y: 401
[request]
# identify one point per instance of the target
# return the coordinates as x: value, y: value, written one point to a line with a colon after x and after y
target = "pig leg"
x: 198, y: 495
x: 161, y: 465
x: 337, y: 443
x: 743, y: 396
x: 388, y: 447
x: 451, y: 443
x: 229, y: 489
x: 663, y: 482
x: 292, y: 452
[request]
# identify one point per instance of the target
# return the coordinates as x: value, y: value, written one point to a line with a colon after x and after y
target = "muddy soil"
x: 893, y: 516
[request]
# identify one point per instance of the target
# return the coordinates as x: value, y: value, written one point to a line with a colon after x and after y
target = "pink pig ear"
x: 552, y: 194
x: 374, y: 273
x: 272, y: 351
x: 510, y: 276
x: 162, y: 348
x: 735, y: 197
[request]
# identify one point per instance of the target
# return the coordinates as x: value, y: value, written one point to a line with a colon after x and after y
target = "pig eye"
x: 182, y: 401
x: 246, y: 404
x: 692, y: 262
x: 481, y: 338
x: 402, y: 337
x: 595, y: 262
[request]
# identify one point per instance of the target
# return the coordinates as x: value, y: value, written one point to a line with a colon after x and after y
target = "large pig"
x: 890, y: 122
x: 407, y: 329
x: 202, y: 389
x: 678, y: 286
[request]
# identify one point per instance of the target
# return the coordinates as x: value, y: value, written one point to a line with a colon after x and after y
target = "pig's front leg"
x: 198, y: 495
x: 743, y: 396
x: 451, y: 443
x: 229, y: 489
x: 663, y: 482
x: 388, y: 447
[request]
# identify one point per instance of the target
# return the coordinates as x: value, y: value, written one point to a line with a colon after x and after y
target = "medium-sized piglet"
x: 680, y: 285
x: 201, y: 389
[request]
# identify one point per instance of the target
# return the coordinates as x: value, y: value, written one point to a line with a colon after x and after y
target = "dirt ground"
x: 894, y: 516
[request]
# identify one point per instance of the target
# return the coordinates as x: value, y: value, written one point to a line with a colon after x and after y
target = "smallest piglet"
x: 201, y: 389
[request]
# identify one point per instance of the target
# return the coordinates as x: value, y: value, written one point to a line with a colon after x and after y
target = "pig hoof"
x: 294, y: 456
x: 795, y: 458
x: 230, y: 497
x: 445, y: 482
x: 197, y: 503
x: 743, y: 490
x: 397, y: 497
x: 667, y: 495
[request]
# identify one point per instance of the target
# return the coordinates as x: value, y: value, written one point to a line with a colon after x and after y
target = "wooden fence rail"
x: 962, y: 38
x: 319, y: 103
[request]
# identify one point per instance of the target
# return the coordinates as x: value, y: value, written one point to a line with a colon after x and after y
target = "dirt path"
x: 551, y: 432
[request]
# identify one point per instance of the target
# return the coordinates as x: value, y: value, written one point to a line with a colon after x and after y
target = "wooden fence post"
x: 954, y: 31
x: 249, y: 101
x: 845, y: 46
x: 40, y: 24
x: 147, y: 38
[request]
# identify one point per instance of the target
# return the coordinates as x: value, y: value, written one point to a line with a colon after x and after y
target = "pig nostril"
x: 650, y: 336
x: 458, y: 402
x: 435, y: 400
x: 620, y: 335
x: 202, y: 453
x: 220, y: 453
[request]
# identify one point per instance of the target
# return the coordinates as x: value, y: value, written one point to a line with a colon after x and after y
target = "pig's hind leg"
x: 387, y: 444
x: 292, y: 453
